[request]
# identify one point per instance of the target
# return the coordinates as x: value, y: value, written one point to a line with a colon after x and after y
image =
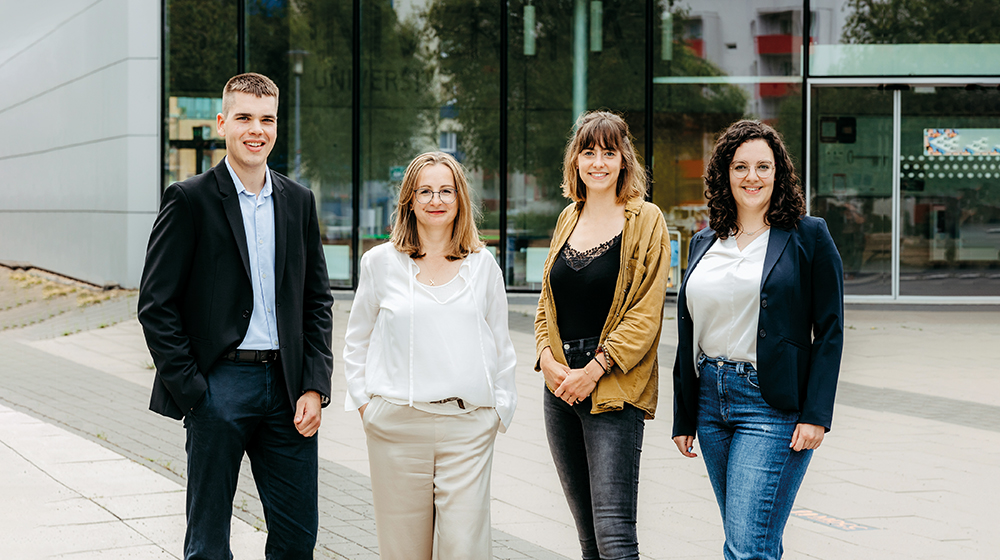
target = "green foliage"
x: 540, y: 87
x: 922, y: 21
x: 201, y: 52
x: 398, y: 102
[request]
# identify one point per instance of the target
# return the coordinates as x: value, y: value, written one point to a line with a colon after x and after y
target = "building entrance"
x: 908, y: 178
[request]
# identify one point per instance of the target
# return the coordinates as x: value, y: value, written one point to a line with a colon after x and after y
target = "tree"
x: 201, y: 46
x: 922, y: 21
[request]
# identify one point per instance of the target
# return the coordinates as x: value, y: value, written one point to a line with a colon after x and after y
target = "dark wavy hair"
x: 788, y: 203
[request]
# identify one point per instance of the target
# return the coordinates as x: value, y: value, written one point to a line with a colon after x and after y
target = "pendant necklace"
x: 751, y: 233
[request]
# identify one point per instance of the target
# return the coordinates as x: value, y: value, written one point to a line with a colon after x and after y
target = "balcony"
x: 772, y: 89
x: 697, y: 46
x: 778, y: 44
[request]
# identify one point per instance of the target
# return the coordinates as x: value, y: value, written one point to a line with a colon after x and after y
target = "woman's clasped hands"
x: 571, y: 385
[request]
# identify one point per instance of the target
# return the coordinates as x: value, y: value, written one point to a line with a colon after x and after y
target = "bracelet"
x: 611, y: 363
x: 603, y: 371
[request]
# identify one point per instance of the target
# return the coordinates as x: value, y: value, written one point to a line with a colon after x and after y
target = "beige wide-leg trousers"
x: 431, y: 481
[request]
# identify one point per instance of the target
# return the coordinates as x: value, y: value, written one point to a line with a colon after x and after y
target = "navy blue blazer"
x: 195, y: 296
x: 800, y: 335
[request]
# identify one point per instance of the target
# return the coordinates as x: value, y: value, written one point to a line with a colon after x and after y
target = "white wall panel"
x: 80, y: 156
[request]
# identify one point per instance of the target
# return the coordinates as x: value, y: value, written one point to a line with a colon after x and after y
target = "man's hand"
x: 309, y: 413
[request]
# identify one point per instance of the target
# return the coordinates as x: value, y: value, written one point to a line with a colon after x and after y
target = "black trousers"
x: 246, y: 410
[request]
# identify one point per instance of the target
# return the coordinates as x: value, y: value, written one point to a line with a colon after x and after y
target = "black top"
x: 583, y: 288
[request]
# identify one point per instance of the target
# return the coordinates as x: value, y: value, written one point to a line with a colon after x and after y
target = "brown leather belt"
x: 461, y: 403
x: 252, y: 356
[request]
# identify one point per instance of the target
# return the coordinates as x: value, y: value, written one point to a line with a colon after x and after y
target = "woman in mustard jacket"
x: 597, y: 329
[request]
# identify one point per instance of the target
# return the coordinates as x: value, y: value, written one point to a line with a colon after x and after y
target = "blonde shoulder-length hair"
x: 464, y: 235
x: 603, y: 128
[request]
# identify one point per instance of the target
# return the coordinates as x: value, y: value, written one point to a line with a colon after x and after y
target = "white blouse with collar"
x: 723, y: 298
x: 412, y: 343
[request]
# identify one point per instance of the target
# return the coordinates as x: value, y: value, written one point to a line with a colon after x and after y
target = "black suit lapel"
x: 231, y: 205
x: 280, y: 229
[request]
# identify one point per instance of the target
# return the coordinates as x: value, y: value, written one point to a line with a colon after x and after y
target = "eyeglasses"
x: 741, y: 169
x: 447, y: 195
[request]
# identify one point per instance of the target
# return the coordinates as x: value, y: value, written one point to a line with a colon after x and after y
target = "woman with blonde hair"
x: 430, y: 367
x: 597, y: 329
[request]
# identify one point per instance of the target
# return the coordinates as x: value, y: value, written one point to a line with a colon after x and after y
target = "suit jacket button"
x: 763, y: 303
x: 762, y: 333
x: 246, y: 314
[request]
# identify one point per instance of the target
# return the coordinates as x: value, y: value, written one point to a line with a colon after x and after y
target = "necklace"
x: 751, y: 233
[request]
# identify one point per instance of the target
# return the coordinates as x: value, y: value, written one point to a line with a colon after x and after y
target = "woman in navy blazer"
x: 760, y: 338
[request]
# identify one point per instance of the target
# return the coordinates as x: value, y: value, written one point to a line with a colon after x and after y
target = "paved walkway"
x: 910, y: 470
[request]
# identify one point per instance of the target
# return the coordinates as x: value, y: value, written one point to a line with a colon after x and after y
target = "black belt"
x: 252, y: 356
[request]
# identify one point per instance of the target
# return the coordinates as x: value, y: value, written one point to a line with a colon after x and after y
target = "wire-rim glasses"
x: 740, y: 169
x: 447, y: 195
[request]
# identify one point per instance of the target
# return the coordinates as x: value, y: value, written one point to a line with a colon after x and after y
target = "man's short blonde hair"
x: 255, y: 84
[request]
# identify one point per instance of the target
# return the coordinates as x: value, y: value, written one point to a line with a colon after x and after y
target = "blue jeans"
x: 246, y: 409
x: 597, y: 458
x: 754, y: 473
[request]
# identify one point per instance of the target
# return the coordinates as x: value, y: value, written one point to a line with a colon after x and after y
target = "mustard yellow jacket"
x: 631, y: 332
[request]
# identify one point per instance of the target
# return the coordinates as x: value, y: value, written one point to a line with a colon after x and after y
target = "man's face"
x: 250, y: 128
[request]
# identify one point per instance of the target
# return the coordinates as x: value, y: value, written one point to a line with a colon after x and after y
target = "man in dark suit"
x: 235, y: 306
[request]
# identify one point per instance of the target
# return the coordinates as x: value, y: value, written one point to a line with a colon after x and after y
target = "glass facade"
x: 563, y: 58
x: 857, y: 88
x: 949, y: 192
x: 852, y: 181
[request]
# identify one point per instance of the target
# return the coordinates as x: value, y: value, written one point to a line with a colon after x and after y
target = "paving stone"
x: 916, y: 465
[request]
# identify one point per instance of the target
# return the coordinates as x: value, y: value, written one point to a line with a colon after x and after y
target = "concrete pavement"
x: 910, y: 469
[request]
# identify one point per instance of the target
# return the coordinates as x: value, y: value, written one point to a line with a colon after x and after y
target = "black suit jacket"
x: 195, y: 296
x: 800, y: 335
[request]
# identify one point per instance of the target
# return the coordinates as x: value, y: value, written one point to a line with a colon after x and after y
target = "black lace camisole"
x: 583, y: 287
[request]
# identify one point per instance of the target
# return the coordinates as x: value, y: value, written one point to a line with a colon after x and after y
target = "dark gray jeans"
x: 597, y: 458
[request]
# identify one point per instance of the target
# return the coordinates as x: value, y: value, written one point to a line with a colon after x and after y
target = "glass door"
x: 949, y: 192
x: 850, y: 183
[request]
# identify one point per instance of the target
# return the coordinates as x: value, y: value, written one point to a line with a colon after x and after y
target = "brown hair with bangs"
x: 464, y: 234
x: 608, y: 130
x: 255, y: 84
x: 788, y: 203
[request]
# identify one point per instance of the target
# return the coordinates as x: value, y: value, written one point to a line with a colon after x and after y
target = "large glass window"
x: 430, y: 81
x: 851, y: 181
x: 434, y: 75
x: 200, y: 56
x: 564, y: 58
x: 716, y: 62
x: 950, y: 188
x: 905, y: 38
x: 305, y: 47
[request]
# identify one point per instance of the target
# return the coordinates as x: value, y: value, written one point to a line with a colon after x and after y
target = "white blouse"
x: 411, y: 343
x: 723, y: 298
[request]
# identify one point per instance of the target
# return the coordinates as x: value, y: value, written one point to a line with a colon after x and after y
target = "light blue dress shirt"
x: 258, y: 223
